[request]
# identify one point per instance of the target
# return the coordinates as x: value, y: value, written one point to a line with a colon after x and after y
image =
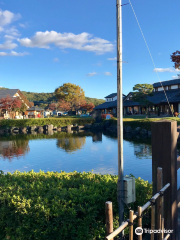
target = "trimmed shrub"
x: 60, y: 206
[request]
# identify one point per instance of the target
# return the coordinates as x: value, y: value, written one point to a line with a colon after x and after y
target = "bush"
x: 60, y: 206
x: 59, y: 122
x: 104, y: 116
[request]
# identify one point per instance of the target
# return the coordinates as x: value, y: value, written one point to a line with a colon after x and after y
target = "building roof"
x: 111, y: 95
x: 167, y: 83
x: 5, y: 92
x: 158, y: 97
x: 35, y: 109
x: 106, y: 105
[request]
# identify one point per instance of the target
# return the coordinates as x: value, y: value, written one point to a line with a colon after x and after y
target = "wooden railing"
x: 132, y: 216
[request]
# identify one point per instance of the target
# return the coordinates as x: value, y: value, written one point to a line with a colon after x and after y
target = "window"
x: 174, y: 86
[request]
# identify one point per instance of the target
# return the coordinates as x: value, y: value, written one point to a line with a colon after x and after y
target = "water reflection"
x: 13, y: 149
x: 71, y: 144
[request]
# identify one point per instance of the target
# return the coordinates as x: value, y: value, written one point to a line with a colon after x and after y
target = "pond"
x: 77, y: 151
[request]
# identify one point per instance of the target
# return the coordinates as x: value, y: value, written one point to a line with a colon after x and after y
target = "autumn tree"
x: 52, y: 106
x: 88, y: 106
x: 175, y: 57
x: 141, y: 94
x: 71, y: 93
x: 63, y: 105
x: 10, y: 104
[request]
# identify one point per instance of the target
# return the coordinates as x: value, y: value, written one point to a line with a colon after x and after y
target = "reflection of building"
x: 11, y: 149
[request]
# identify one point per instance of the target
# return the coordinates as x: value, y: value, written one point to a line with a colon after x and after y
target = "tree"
x: 71, y: 93
x: 141, y: 92
x: 63, y: 105
x: 10, y: 104
x: 52, y: 106
x: 175, y: 57
x: 88, y: 106
x: 23, y: 107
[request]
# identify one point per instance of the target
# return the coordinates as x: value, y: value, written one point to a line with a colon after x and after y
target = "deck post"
x: 164, y: 155
x: 109, y: 218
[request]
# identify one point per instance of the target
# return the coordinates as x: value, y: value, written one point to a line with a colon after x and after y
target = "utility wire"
x: 150, y: 56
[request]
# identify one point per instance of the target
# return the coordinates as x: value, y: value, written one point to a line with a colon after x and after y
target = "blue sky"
x: 44, y: 44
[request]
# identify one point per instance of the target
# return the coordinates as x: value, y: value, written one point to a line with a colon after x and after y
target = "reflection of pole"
x: 120, y: 111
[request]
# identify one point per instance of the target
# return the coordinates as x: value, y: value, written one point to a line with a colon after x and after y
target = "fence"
x: 164, y: 156
x: 132, y: 216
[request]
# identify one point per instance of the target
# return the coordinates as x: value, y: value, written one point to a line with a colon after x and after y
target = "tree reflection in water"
x: 11, y: 149
x: 71, y: 144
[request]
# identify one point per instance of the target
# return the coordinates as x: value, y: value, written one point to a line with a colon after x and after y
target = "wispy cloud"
x: 56, y: 59
x: 165, y: 70
x: 176, y: 77
x: 108, y: 74
x: 22, y: 25
x: 112, y: 59
x: 91, y: 74
x: 83, y: 41
x: 13, y: 53
x: 7, y: 17
x: 8, y: 45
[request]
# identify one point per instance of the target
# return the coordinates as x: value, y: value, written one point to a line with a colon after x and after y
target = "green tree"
x: 141, y: 92
x: 70, y: 93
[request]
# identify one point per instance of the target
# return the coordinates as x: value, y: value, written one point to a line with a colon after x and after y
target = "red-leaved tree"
x: 63, y: 105
x: 52, y: 106
x: 10, y: 104
x: 175, y: 57
x: 88, y: 106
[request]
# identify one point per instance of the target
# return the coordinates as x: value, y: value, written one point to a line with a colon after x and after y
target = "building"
x: 110, y: 106
x: 13, y: 93
x: 35, y: 112
x: 161, y: 95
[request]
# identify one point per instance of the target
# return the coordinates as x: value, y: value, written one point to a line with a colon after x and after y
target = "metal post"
x: 119, y: 112
x: 109, y: 218
x: 162, y: 226
x: 140, y: 221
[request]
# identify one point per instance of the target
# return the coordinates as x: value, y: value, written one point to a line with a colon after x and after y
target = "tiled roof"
x: 167, y: 83
x: 5, y: 92
x: 130, y: 103
x: 111, y: 95
x: 106, y: 105
x: 35, y: 109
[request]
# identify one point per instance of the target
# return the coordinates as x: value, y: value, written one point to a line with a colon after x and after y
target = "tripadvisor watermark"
x: 140, y: 231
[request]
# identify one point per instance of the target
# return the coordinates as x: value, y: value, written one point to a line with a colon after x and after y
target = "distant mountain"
x: 47, y: 98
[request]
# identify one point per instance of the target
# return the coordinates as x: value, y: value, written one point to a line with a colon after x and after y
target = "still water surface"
x: 79, y: 152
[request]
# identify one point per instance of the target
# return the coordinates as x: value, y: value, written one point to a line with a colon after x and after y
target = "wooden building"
x: 35, y: 112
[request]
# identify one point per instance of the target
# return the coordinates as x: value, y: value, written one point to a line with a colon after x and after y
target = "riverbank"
x: 62, y: 205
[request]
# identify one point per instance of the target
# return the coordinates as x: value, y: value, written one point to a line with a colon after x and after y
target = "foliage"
x: 141, y: 92
x: 71, y: 93
x: 175, y: 57
x: 62, y: 205
x: 52, y: 106
x: 176, y: 114
x: 23, y: 107
x: 59, y: 122
x: 63, y: 105
x: 88, y: 106
x: 10, y: 104
x: 104, y: 115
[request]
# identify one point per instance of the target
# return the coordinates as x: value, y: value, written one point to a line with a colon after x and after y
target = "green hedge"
x: 142, y: 123
x: 59, y: 122
x: 59, y: 206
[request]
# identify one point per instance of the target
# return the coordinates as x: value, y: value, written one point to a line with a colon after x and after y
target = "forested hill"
x: 50, y: 97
